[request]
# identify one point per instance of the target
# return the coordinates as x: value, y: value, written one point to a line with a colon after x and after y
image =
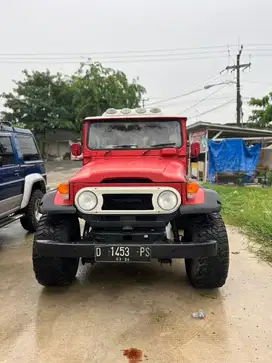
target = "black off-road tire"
x: 209, y: 272
x: 55, y: 271
x: 30, y: 221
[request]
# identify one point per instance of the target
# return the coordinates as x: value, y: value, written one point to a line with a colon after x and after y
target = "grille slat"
x: 127, y: 202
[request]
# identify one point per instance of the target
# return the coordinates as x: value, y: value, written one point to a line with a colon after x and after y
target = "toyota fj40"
x: 137, y: 203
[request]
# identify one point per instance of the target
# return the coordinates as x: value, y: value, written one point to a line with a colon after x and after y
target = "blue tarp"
x: 232, y: 155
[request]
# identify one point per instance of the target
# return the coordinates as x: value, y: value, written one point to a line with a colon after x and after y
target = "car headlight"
x: 167, y: 200
x: 86, y: 201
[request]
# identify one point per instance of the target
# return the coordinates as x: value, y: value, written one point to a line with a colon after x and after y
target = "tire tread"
x: 209, y: 272
x: 28, y: 221
x: 55, y: 271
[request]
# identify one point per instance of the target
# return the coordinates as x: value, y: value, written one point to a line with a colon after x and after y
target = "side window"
x: 6, y: 152
x: 28, y: 148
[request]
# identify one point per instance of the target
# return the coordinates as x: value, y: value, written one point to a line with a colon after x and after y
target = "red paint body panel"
x: 159, y: 170
x: 198, y: 199
x: 60, y: 201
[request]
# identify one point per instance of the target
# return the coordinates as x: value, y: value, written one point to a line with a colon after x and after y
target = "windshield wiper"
x: 166, y: 144
x: 159, y: 145
x: 112, y: 147
x: 124, y: 146
x: 107, y: 152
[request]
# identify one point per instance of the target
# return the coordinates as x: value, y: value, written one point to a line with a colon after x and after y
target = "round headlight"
x: 87, y: 201
x: 167, y: 200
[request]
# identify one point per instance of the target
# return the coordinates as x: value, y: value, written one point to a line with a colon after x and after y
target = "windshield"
x: 134, y: 134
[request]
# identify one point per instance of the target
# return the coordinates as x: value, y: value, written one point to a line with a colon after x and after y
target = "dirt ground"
x: 111, y: 308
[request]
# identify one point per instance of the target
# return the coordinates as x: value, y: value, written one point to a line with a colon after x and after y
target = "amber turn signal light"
x: 64, y: 190
x: 192, y: 189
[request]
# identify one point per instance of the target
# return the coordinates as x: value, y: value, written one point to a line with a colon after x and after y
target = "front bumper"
x: 167, y: 250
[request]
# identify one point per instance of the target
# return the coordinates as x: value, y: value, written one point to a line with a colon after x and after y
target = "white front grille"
x: 130, y: 194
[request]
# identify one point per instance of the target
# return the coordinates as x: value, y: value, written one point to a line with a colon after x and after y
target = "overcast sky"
x: 93, y: 26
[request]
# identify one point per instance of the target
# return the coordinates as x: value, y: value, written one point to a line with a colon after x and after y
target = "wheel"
x: 55, y: 271
x: 31, y: 217
x: 209, y: 272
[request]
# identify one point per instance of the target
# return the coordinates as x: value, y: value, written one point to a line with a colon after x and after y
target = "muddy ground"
x: 115, y: 307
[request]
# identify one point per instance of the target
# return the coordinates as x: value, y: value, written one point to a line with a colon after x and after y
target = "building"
x: 202, y: 131
x: 57, y: 145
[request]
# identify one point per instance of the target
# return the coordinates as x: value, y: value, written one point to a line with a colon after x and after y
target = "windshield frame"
x: 136, y: 120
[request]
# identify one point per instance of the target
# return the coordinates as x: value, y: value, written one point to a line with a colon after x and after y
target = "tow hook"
x: 165, y: 260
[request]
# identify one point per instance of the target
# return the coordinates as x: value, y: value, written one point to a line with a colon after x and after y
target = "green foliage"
x: 96, y: 89
x: 262, y: 113
x: 249, y: 208
x: 43, y: 101
x: 40, y: 102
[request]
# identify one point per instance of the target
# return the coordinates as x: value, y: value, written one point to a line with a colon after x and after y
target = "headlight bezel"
x: 156, y: 191
x: 168, y: 192
x: 79, y: 205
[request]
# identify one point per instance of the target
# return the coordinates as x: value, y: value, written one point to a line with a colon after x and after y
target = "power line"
x: 216, y: 108
x: 226, y: 46
x: 119, y: 61
x: 81, y: 59
x: 175, y: 97
x: 187, y: 93
x: 60, y: 58
x: 88, y: 56
x: 259, y: 45
x: 257, y: 82
x: 78, y: 55
x: 204, y: 99
x: 123, y: 52
x: 210, y: 99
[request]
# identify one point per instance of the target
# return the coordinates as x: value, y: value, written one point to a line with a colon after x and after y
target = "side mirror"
x: 76, y: 150
x: 195, y: 150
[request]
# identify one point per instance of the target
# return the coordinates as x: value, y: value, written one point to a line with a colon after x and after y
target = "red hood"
x: 157, y: 169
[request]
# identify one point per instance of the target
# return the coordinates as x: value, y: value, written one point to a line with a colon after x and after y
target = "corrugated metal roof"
x: 221, y: 127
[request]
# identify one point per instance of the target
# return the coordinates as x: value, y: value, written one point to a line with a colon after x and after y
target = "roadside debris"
x: 199, y: 315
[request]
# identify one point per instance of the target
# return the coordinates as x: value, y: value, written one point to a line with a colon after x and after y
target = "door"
x: 11, y: 182
x: 31, y: 160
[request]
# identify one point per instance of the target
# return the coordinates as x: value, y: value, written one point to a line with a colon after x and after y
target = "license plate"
x: 122, y: 253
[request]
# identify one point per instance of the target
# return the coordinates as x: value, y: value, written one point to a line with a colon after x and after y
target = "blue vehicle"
x: 22, y: 177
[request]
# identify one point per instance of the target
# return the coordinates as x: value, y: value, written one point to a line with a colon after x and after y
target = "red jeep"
x: 137, y: 203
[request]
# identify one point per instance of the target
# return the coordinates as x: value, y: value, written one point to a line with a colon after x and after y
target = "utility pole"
x: 237, y: 67
x: 143, y: 101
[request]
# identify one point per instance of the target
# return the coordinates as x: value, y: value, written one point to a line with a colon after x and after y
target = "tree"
x: 96, y: 89
x: 45, y: 101
x: 40, y: 101
x: 262, y: 115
